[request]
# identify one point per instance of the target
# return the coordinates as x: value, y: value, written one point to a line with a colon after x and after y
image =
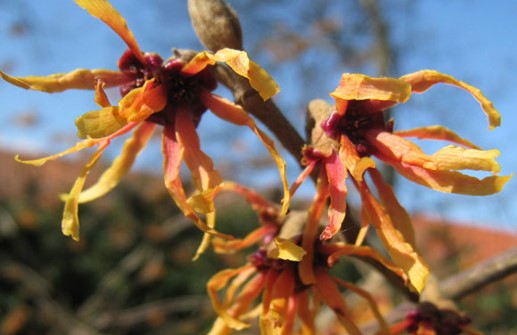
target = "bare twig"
x: 464, y: 283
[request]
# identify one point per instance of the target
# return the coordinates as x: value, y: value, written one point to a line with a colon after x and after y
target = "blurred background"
x: 132, y: 271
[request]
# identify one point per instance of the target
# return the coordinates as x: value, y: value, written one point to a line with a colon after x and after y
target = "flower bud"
x: 216, y: 24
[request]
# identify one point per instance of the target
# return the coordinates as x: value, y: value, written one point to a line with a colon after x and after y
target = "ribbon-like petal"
x: 239, y: 62
x: 104, y: 11
x: 421, y: 81
x: 436, y: 133
x: 81, y: 79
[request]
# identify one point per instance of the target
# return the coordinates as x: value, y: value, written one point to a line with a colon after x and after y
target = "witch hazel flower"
x: 272, y: 285
x: 172, y: 93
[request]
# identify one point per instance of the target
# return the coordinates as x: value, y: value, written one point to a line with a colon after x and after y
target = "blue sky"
x: 476, y: 43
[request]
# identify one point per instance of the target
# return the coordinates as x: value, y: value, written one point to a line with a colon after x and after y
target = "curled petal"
x: 447, y: 158
x: 450, y: 181
x: 402, y: 252
x: 99, y: 123
x: 421, y: 81
x: 351, y: 160
x: 70, y: 222
x: 78, y: 79
x: 436, y: 133
x: 362, y: 87
x: 142, y: 102
x: 239, y: 62
x: 287, y: 250
x: 104, y: 11
x: 281, y: 291
x: 233, y: 113
x: 233, y: 246
x: 217, y: 283
x: 78, y: 147
x: 121, y: 165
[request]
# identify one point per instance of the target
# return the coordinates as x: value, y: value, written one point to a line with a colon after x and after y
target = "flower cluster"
x: 174, y: 94
x: 287, y: 278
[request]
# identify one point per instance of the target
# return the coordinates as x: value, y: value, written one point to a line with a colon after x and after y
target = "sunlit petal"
x: 78, y: 147
x: 172, y: 154
x: 239, y: 62
x: 142, y: 102
x: 78, y: 79
x: 402, y: 252
x: 287, y: 250
x: 362, y: 87
x: 70, y: 222
x: 436, y: 133
x: 99, y: 123
x: 398, y: 214
x: 104, y: 11
x: 233, y: 113
x: 422, y: 80
x: 121, y: 165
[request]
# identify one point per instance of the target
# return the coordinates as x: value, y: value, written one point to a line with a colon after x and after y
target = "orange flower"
x: 171, y: 93
x: 274, y: 275
x: 345, y: 138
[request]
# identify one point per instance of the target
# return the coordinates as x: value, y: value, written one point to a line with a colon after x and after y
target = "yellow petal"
x: 351, y: 160
x: 121, y: 165
x: 362, y: 87
x: 447, y: 158
x: 436, y: 133
x: 78, y: 147
x: 104, y: 11
x: 217, y: 283
x: 99, y: 123
x: 287, y: 250
x: 233, y: 113
x: 101, y: 98
x: 78, y: 79
x: 399, y: 216
x: 400, y: 250
x: 239, y: 62
x: 70, y: 222
x: 142, y: 102
x: 422, y: 80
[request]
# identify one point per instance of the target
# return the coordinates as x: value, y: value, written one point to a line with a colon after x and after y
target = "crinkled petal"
x: 239, y: 62
x: 436, y: 133
x: 121, y: 165
x: 142, y: 102
x: 447, y: 158
x: 70, y: 222
x: 362, y: 87
x: 287, y: 250
x: 421, y: 81
x: 233, y: 113
x: 350, y: 158
x: 99, y: 123
x: 450, y: 181
x: 104, y: 11
x: 337, y: 175
x: 400, y: 250
x: 233, y: 246
x: 217, y: 283
x: 78, y: 147
x: 281, y: 291
x: 398, y: 214
x: 173, y: 153
x: 81, y: 79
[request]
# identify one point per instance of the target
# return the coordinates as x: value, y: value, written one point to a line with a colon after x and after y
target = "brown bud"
x: 216, y: 24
